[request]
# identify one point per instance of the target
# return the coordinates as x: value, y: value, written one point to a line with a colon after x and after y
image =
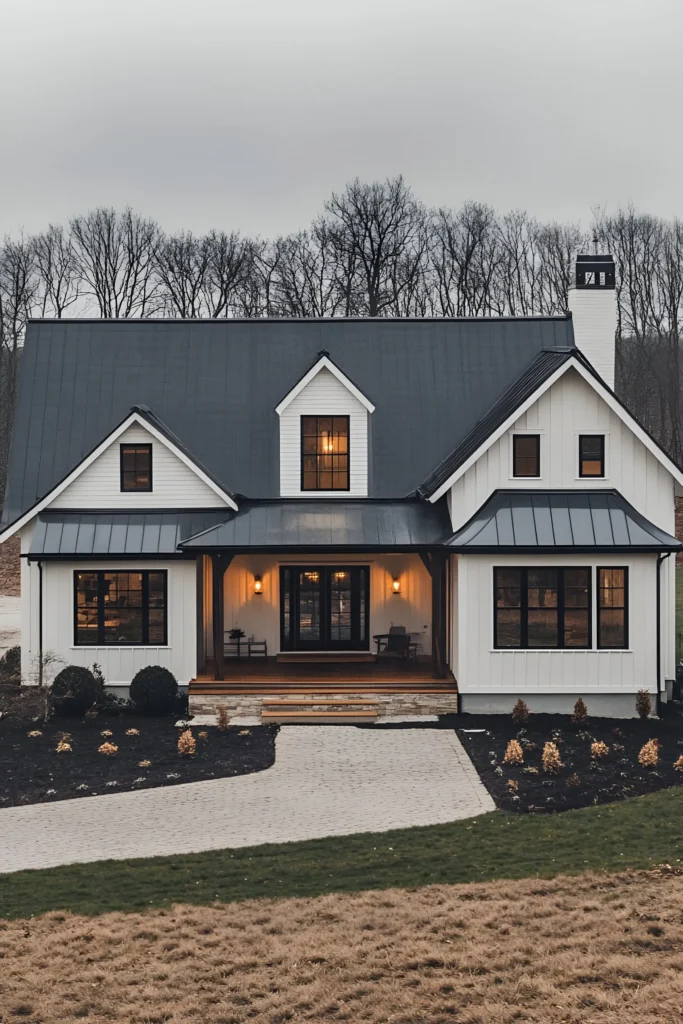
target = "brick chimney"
x: 593, y: 305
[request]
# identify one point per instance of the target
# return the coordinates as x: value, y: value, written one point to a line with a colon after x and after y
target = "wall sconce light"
x: 396, y: 585
x: 258, y: 585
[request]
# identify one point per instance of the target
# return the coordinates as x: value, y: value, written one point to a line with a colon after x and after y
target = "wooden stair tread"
x: 313, y: 658
x: 317, y: 701
x: 371, y: 713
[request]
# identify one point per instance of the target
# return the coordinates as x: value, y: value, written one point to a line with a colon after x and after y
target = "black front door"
x: 324, y: 607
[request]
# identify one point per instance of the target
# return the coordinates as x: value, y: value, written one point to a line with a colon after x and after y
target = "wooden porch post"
x: 438, y: 563
x: 219, y: 563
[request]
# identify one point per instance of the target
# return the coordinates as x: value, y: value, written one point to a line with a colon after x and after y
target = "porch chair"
x: 398, y: 645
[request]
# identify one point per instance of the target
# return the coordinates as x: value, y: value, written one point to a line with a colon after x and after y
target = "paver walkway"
x: 326, y: 781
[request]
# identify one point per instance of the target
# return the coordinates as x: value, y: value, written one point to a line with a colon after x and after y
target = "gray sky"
x: 246, y: 115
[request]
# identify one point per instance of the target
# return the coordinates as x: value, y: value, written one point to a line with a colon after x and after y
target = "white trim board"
x: 134, y: 417
x: 324, y: 363
x: 605, y: 394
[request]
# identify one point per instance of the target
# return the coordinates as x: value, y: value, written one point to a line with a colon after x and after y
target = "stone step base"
x: 385, y: 706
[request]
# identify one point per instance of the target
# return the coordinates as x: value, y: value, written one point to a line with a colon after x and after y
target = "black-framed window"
x: 613, y: 607
x: 136, y: 467
x: 325, y: 453
x: 526, y: 455
x: 120, y: 608
x: 542, y: 608
x: 591, y: 455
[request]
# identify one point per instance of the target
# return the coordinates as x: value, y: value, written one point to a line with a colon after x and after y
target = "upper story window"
x: 591, y: 455
x: 526, y: 455
x: 136, y: 467
x: 325, y: 453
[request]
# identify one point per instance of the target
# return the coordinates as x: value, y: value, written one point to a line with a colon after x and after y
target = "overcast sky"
x: 246, y: 115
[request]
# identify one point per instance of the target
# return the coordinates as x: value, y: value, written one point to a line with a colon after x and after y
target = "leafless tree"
x: 57, y: 270
x: 115, y: 255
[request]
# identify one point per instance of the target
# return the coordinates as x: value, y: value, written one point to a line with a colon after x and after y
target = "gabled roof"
x: 356, y: 523
x: 323, y: 362
x: 215, y: 385
x: 548, y: 367
x: 532, y: 520
x: 144, y: 417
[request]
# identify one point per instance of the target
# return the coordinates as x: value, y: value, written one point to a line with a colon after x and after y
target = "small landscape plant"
x: 599, y: 749
x: 187, y: 744
x: 573, y: 781
x: 154, y: 690
x: 580, y: 712
x: 64, y: 747
x: 10, y: 666
x: 678, y: 764
x: 513, y: 753
x: 222, y: 720
x: 106, y: 734
x: 74, y: 690
x: 643, y: 704
x: 521, y: 711
x: 144, y: 764
x: 649, y: 754
x: 203, y: 735
x: 552, y: 762
x: 132, y: 732
x: 513, y: 785
x: 108, y: 749
x: 34, y: 733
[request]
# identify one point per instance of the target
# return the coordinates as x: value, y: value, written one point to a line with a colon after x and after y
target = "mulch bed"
x: 583, y: 780
x: 32, y: 772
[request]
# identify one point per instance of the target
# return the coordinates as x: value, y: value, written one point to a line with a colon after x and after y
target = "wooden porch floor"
x: 268, y: 676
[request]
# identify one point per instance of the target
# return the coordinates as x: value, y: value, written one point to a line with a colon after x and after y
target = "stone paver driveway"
x: 326, y: 781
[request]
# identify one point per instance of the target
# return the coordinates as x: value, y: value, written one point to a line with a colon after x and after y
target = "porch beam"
x: 426, y: 560
x: 439, y: 562
x: 219, y: 563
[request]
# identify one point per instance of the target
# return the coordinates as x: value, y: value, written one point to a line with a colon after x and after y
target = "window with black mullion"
x: 136, y: 467
x: 526, y: 455
x: 592, y: 455
x: 325, y: 453
x: 539, y: 608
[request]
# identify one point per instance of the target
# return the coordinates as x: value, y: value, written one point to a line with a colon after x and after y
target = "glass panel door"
x: 340, y: 608
x: 310, y: 618
x: 324, y: 607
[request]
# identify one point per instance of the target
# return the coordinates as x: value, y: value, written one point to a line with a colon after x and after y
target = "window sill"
x: 120, y: 647
x: 561, y: 650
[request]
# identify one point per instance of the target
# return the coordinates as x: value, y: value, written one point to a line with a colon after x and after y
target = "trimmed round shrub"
x: 154, y: 690
x: 74, y: 690
x: 10, y: 666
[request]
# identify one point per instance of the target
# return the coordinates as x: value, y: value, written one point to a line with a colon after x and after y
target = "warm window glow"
x: 592, y: 455
x: 136, y: 467
x: 325, y: 453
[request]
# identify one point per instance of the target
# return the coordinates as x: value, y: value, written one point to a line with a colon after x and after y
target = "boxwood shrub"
x: 10, y: 666
x: 74, y: 690
x: 154, y: 690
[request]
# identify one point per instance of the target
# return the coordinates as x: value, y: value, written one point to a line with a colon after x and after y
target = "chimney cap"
x: 595, y: 272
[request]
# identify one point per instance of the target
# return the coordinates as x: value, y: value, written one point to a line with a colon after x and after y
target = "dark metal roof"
x: 529, y: 520
x: 215, y: 385
x: 60, y: 534
x: 543, y: 366
x: 339, y: 523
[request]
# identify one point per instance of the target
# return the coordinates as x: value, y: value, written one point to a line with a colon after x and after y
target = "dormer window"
x: 136, y: 467
x: 325, y: 453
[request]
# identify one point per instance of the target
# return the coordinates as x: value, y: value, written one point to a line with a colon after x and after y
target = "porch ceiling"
x: 354, y: 524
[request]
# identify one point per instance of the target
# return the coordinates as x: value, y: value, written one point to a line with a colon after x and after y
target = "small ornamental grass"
x: 34, y: 733
x: 678, y: 765
x: 580, y: 712
x: 144, y: 764
x: 222, y: 720
x: 643, y: 703
x: 106, y: 734
x: 599, y: 749
x: 187, y: 744
x: 513, y: 753
x: 132, y: 732
x: 108, y: 749
x: 203, y: 735
x: 64, y: 747
x: 649, y: 754
x: 573, y: 781
x: 521, y: 711
x: 552, y: 762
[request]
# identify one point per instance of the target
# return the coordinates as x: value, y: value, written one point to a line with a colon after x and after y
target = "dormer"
x: 324, y: 431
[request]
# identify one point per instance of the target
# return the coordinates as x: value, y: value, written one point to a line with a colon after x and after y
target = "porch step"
x: 284, y: 690
x: 313, y: 658
x: 312, y: 717
x: 318, y: 702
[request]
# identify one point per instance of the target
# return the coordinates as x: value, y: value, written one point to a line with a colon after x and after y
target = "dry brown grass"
x: 591, y: 949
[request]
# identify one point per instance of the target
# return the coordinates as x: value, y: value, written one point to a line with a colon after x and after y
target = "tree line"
x: 375, y: 250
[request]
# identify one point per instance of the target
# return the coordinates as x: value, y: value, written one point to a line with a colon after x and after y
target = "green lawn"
x: 637, y: 833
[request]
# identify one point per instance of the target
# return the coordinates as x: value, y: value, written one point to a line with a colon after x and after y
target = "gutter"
x: 40, y: 623
x: 660, y: 559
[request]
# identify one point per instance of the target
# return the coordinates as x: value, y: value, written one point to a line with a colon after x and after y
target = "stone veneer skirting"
x: 390, y: 704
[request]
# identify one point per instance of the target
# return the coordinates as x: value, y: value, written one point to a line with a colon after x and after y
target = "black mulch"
x: 583, y: 780
x: 32, y: 772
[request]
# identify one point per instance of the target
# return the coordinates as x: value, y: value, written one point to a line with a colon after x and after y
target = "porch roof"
x: 117, y: 534
x: 353, y: 523
x: 572, y: 521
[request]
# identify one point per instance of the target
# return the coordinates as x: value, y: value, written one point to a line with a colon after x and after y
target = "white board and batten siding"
x: 324, y: 395
x: 174, y: 484
x: 482, y: 668
x: 119, y: 664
